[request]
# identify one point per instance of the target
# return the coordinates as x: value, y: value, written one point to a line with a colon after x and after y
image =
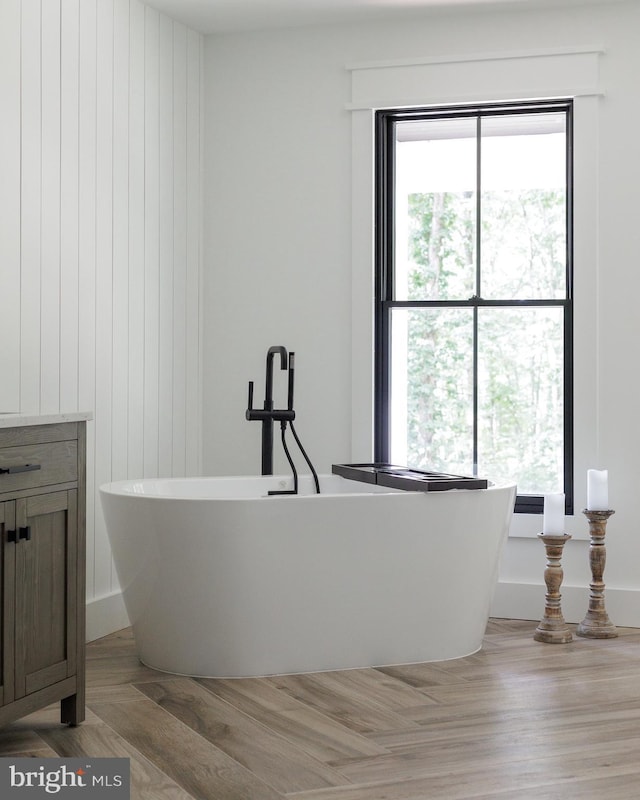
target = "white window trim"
x: 402, y: 78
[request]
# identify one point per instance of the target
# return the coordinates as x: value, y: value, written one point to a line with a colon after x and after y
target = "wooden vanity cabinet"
x: 42, y: 570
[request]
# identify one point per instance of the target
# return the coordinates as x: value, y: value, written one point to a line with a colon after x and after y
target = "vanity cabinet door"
x: 7, y: 587
x: 45, y: 596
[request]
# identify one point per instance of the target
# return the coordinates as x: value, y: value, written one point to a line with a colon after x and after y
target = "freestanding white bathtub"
x: 220, y: 580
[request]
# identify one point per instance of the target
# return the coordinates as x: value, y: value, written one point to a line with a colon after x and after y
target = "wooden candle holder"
x: 552, y: 628
x: 596, y: 624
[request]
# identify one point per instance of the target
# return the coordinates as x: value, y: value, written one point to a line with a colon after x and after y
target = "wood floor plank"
x: 267, y: 754
x: 118, y: 669
x: 15, y: 741
x: 120, y: 643
x: 193, y: 763
x: 36, y: 748
x: 259, y: 692
x: 117, y: 693
x: 313, y: 732
x: 423, y: 675
x: 326, y: 693
x: 375, y: 686
x: 503, y: 627
x: 523, y: 660
x: 547, y: 694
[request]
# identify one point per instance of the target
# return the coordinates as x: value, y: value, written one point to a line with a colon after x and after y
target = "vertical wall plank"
x: 151, y: 240
x: 120, y: 366
x: 166, y: 201
x: 104, y: 281
x: 87, y: 195
x: 50, y: 210
x: 179, y: 245
x: 136, y: 241
x: 30, y: 205
x: 10, y: 25
x: 69, y: 209
x: 192, y: 298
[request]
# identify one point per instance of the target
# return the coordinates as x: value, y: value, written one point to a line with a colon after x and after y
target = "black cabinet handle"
x: 21, y: 533
x: 19, y: 468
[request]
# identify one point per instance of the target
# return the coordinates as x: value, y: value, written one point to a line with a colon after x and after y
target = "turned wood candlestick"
x: 552, y: 628
x: 596, y: 624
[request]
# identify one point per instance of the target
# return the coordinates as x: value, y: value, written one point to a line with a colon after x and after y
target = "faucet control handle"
x: 250, y: 409
x: 290, y: 382
x: 283, y: 414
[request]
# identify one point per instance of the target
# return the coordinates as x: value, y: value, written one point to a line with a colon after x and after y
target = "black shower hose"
x: 304, y: 453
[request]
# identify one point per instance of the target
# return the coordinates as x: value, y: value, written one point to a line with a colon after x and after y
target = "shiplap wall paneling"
x: 120, y: 233
x: 179, y: 249
x: 151, y: 315
x: 10, y: 206
x: 70, y: 76
x: 195, y: 103
x: 104, y: 289
x: 30, y: 201
x: 136, y: 230
x: 50, y: 97
x: 166, y: 266
x: 101, y: 164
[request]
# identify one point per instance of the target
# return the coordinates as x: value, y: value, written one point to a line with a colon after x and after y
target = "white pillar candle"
x: 597, y: 490
x: 553, y: 518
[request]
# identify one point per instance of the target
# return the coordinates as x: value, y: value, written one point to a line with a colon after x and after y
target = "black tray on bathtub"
x: 412, y: 480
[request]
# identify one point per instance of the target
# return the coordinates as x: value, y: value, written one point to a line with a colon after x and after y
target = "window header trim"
x: 489, y: 77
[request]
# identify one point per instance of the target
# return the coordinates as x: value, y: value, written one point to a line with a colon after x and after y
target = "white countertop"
x: 22, y: 420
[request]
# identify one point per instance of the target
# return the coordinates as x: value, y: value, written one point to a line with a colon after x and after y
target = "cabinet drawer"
x: 58, y: 462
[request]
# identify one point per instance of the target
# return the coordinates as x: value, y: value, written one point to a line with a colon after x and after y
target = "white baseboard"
x: 526, y: 601
x: 106, y: 615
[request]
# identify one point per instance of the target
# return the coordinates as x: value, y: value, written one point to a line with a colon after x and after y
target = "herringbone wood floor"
x: 517, y: 720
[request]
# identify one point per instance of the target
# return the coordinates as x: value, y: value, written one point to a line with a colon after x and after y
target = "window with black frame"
x: 474, y: 293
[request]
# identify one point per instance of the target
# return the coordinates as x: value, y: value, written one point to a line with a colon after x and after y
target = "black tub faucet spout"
x: 268, y: 383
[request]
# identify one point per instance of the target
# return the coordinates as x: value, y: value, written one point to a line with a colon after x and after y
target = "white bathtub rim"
x: 126, y: 488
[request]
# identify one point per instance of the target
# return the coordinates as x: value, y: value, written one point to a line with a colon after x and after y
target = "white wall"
x: 278, y: 265
x: 277, y: 240
x: 101, y: 253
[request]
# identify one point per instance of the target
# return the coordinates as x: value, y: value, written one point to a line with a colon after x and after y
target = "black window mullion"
x: 479, y: 207
x: 569, y: 198
x: 475, y: 390
x: 568, y: 407
x: 479, y: 302
x: 568, y: 324
x: 478, y: 287
x: 384, y: 291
